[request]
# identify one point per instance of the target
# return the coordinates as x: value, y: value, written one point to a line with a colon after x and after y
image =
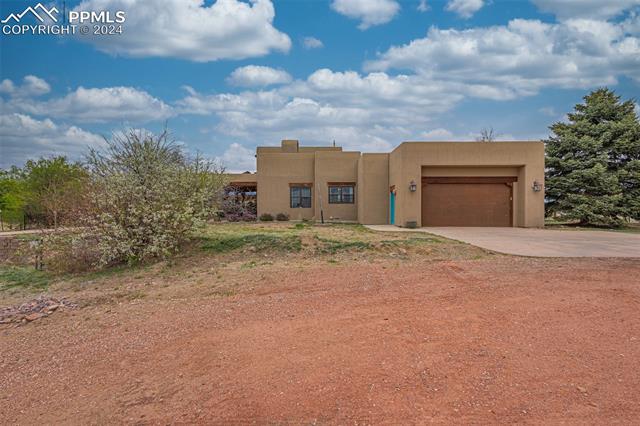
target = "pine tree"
x: 593, y: 162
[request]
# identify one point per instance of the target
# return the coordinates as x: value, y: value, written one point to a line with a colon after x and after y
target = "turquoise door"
x: 392, y: 208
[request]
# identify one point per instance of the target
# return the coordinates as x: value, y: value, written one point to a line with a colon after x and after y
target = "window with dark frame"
x: 300, y: 197
x: 341, y: 193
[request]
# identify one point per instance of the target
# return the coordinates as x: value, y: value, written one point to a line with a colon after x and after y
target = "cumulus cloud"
x: 7, y: 86
x: 406, y: 90
x: 369, y: 12
x: 603, y: 9
x: 423, y: 6
x: 97, y: 105
x: 371, y: 112
x: 258, y: 76
x: 31, y: 86
x: 519, y: 59
x: 312, y: 43
x: 189, y: 29
x: 464, y: 8
x: 237, y: 159
x: 24, y: 137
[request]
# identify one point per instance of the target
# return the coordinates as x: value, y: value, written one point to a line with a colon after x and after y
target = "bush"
x: 266, y: 217
x: 67, y: 251
x: 147, y: 197
x: 240, y: 217
x: 233, y: 211
x: 282, y: 217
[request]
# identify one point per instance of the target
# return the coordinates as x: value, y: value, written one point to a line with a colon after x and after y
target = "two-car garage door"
x: 467, y: 201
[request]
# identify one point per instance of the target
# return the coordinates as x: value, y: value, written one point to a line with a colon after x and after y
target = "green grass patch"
x: 412, y: 241
x: 354, y: 227
x: 14, y: 277
x: 326, y: 245
x: 301, y: 225
x: 569, y: 226
x: 260, y: 242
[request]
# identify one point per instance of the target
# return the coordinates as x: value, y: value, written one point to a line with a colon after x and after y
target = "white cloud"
x: 7, y: 86
x: 237, y: 159
x: 369, y: 12
x: 366, y: 112
x: 312, y: 43
x: 24, y: 137
x: 97, y: 105
x: 31, y: 86
x: 376, y: 110
x: 188, y: 29
x: 438, y: 134
x: 258, y: 76
x: 567, y: 9
x: 423, y: 6
x: 519, y: 59
x: 34, y: 86
x: 464, y: 8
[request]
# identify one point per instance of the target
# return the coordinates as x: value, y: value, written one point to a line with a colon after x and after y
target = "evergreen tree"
x: 593, y: 162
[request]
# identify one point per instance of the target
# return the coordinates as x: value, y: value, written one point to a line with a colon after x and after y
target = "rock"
x: 582, y: 389
x: 33, y: 317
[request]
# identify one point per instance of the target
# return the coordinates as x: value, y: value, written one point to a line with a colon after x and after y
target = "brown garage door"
x: 467, y: 201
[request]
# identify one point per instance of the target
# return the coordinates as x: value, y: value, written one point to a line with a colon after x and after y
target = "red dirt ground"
x: 479, y: 341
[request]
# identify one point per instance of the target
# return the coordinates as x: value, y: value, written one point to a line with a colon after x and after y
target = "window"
x: 341, y: 193
x: 300, y: 196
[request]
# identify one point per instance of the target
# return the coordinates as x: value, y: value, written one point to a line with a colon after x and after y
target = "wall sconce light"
x: 412, y: 186
x: 537, y: 186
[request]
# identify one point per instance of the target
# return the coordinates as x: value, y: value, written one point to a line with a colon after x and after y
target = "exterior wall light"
x: 537, y: 186
x: 412, y: 186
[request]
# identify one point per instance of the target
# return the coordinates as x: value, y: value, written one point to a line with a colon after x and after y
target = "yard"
x: 294, y: 323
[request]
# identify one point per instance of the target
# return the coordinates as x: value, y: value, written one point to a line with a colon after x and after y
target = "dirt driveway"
x: 539, y: 242
x: 471, y: 341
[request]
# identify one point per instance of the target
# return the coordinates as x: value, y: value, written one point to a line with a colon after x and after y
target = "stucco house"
x: 417, y: 184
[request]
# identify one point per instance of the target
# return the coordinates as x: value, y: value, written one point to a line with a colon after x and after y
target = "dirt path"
x: 501, y: 340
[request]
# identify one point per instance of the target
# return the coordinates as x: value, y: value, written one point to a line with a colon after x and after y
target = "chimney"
x: 289, y: 145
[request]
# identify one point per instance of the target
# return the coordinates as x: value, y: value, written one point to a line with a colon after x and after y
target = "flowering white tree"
x: 147, y: 196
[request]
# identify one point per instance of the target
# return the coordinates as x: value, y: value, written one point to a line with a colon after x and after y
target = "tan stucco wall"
x: 373, y: 174
x: 411, y: 159
x: 276, y: 170
x: 373, y: 189
x: 336, y: 167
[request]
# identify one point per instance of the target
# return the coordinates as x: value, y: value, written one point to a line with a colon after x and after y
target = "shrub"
x: 282, y: 217
x: 233, y: 211
x: 240, y: 217
x: 147, y: 197
x: 67, y: 251
x: 266, y: 217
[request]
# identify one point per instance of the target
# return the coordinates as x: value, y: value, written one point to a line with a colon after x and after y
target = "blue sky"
x: 228, y: 76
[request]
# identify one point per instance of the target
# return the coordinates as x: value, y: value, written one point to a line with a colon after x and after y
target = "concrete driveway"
x: 538, y: 242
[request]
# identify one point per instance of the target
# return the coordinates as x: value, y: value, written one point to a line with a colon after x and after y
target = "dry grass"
x: 230, y: 258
